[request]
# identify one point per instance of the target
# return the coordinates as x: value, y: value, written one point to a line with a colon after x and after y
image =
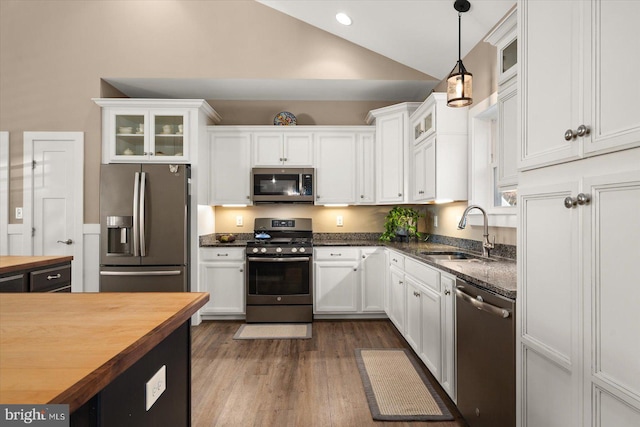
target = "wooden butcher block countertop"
x: 15, y: 263
x: 64, y: 348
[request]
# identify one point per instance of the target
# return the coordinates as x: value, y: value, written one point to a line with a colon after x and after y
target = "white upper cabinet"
x: 230, y: 167
x: 505, y: 38
x: 392, y: 151
x: 577, y: 79
x: 341, y: 166
x: 152, y: 130
x: 282, y: 147
x: 335, y: 167
x: 365, y: 180
x: 439, y: 161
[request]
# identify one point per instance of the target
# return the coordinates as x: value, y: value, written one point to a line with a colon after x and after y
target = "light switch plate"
x: 156, y: 386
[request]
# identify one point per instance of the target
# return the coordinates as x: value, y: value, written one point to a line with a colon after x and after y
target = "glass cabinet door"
x: 129, y: 135
x: 169, y: 131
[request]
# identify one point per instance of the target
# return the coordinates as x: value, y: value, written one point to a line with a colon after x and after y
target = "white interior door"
x: 53, y: 196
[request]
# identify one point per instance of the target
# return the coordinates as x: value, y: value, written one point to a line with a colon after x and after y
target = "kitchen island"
x: 96, y: 352
x: 35, y: 273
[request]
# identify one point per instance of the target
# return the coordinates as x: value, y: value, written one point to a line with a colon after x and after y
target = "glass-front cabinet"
x: 154, y: 131
x: 149, y: 135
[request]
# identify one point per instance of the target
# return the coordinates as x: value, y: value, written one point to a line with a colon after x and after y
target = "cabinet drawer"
x: 50, y: 279
x: 222, y: 254
x: 336, y: 253
x: 396, y: 259
x: 13, y: 283
x: 423, y: 273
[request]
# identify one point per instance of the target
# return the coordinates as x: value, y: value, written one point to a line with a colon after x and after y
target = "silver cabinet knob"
x: 569, y: 202
x: 581, y: 199
x: 362, y: 196
x: 447, y: 292
x: 241, y: 270
x: 364, y: 256
x: 581, y: 131
x: 399, y: 194
x: 355, y: 269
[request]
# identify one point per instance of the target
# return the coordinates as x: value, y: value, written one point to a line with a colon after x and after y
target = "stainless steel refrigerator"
x: 144, y: 228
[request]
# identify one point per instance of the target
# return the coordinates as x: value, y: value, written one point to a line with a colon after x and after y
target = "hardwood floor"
x: 312, y: 382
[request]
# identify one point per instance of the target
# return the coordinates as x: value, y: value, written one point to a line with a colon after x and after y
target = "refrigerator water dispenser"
x: 119, y: 235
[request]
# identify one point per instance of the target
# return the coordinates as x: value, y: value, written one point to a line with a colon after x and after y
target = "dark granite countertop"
x: 498, y: 275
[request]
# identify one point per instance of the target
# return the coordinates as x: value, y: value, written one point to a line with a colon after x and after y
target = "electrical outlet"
x: 156, y: 386
x: 18, y: 213
x: 339, y: 221
x: 239, y: 221
x: 435, y: 221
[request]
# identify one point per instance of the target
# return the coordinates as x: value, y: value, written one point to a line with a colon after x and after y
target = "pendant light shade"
x: 460, y: 81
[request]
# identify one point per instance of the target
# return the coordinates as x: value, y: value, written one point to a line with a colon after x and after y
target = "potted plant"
x: 401, y: 223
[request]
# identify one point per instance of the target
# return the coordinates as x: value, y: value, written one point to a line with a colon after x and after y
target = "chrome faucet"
x: 486, y: 245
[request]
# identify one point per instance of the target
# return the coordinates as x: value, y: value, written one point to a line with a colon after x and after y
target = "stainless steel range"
x: 280, y: 271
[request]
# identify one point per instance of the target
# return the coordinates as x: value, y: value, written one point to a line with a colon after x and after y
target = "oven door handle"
x: 481, y: 305
x: 291, y: 259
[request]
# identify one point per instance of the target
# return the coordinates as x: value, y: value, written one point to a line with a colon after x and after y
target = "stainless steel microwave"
x: 282, y: 185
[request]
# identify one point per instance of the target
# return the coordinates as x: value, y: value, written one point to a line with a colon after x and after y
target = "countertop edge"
x: 97, y: 380
x: 35, y: 262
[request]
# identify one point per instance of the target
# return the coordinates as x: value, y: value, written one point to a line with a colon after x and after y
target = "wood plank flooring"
x: 312, y: 382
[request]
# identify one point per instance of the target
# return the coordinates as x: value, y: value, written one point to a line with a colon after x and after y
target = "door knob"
x: 66, y: 242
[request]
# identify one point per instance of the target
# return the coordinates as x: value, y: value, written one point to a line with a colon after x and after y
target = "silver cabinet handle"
x: 336, y: 254
x: 66, y: 242
x: 581, y: 199
x: 222, y: 254
x: 400, y: 282
x: 57, y: 276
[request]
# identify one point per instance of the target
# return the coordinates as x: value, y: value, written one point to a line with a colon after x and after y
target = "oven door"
x: 279, y: 280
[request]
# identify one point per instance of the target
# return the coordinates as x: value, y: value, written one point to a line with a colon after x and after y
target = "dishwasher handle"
x: 481, y: 305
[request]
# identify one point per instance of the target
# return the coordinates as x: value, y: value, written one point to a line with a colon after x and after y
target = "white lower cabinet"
x: 396, y: 305
x: 349, y: 280
x: 373, y: 268
x: 222, y: 275
x: 421, y: 305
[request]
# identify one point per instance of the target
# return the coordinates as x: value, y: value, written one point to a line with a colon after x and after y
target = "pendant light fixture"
x: 459, y: 82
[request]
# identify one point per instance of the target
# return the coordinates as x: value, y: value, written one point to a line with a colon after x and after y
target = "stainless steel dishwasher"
x: 486, y: 354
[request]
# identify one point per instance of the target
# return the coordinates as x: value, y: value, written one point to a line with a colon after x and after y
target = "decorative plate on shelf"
x: 285, y: 118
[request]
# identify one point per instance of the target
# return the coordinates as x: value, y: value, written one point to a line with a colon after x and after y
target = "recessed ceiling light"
x: 343, y: 18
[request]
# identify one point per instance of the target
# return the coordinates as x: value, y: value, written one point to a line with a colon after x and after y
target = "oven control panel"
x: 280, y: 250
x: 283, y: 223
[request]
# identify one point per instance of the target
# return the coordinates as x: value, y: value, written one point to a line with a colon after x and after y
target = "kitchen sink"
x: 453, y: 256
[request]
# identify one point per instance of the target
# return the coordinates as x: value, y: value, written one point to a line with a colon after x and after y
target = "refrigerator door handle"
x: 136, y: 232
x: 142, y: 273
x: 143, y: 182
